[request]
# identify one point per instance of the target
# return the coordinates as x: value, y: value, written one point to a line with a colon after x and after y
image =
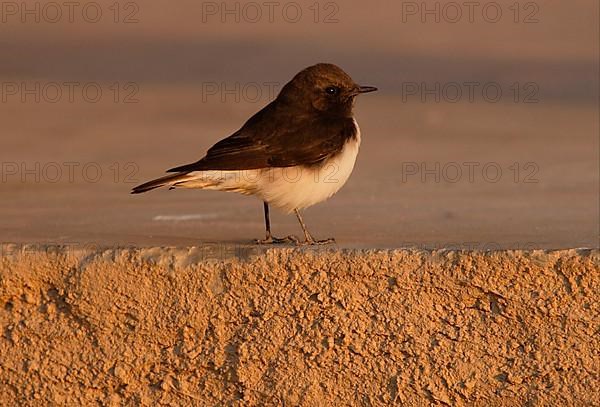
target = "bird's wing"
x: 272, y: 138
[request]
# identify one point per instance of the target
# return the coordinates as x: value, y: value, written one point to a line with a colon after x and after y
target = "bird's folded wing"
x: 276, y: 140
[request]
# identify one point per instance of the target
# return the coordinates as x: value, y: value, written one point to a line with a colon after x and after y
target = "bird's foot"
x: 310, y: 241
x: 277, y: 240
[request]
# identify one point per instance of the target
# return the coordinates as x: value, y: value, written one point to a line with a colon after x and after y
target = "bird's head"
x: 325, y: 88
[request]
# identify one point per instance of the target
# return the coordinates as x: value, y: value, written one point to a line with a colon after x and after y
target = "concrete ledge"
x: 298, y: 327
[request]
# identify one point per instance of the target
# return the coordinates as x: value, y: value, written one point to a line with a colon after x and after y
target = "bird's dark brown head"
x: 325, y: 88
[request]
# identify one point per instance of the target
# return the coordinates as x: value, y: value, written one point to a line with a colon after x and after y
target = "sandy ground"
x: 298, y: 327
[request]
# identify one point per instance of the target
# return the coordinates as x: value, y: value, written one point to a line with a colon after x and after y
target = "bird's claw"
x: 294, y: 240
x: 310, y: 241
x: 277, y: 240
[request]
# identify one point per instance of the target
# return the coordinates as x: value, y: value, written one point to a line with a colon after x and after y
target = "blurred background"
x: 484, y: 133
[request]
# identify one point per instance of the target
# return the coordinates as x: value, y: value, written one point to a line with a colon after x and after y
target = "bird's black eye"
x: 332, y: 90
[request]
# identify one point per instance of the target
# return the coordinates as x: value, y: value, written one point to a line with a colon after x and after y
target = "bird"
x: 297, y: 151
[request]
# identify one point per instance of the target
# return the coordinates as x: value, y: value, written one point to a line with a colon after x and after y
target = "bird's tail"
x: 170, y: 180
x: 244, y: 182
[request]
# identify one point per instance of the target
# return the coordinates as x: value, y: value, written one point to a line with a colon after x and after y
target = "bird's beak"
x: 366, y: 89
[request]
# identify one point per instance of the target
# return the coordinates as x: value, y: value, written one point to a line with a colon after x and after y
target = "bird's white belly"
x: 286, y: 188
x: 300, y: 187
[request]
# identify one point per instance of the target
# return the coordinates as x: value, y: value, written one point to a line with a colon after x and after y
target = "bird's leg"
x: 308, y: 239
x: 270, y: 239
x: 267, y: 221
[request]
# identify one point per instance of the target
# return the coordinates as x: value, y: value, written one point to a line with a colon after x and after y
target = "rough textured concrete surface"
x: 290, y: 327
